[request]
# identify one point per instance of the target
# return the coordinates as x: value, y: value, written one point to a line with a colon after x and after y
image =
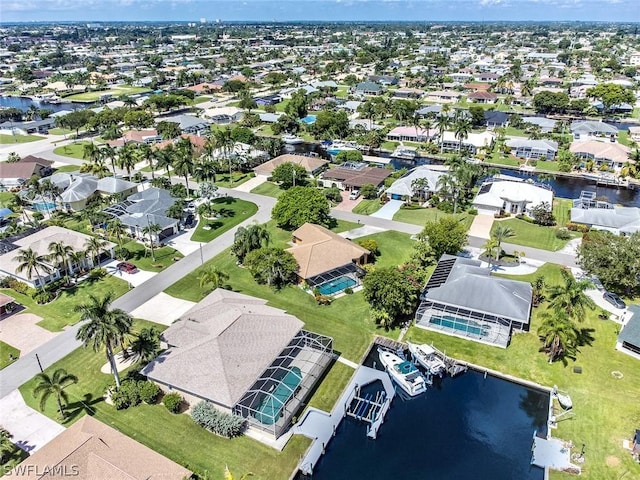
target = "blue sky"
x: 284, y: 10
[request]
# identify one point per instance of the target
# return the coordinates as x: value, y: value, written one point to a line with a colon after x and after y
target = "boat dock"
x: 321, y: 426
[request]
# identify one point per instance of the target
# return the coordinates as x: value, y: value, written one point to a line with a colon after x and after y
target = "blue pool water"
x: 336, y: 285
x: 44, y: 206
x: 309, y: 119
x: 460, y: 324
x: 464, y: 428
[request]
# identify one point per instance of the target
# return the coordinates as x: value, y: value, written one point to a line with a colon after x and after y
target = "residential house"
x: 406, y: 187
x: 383, y: 79
x: 462, y: 299
x: 29, y: 126
x: 353, y: 176
x: 443, y: 96
x: 190, y: 124
x: 39, y: 240
x: 411, y: 134
x: 368, y: 88
x: 494, y: 119
x: 145, y: 208
x: 324, y: 257
x: 590, y: 128
x: 149, y: 136
x: 473, y: 143
x: 634, y: 134
x: 533, y: 149
x: 15, y: 174
x: 312, y: 165
x: 546, y: 125
x: 408, y: 93
x: 244, y: 357
x: 224, y: 115
x: 92, y: 449
x: 614, y: 155
x: 604, y: 216
x: 270, y: 117
x: 482, y: 97
x: 629, y: 337
x: 511, y: 195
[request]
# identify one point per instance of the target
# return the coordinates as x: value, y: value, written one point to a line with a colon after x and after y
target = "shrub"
x: 577, y: 227
x: 97, y: 274
x: 563, y: 234
x: 324, y: 299
x: 122, y: 253
x: 220, y: 423
x: 43, y: 296
x: 172, y: 401
x: 370, y: 245
x: 348, y: 290
x: 5, y: 282
x: 126, y: 396
x: 149, y: 391
x: 18, y: 286
x: 472, y: 211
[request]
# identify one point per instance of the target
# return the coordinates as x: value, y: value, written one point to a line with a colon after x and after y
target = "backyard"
x: 73, y: 150
x: 115, y: 92
x: 232, y: 211
x: 395, y: 247
x: 606, y: 408
x: 59, y: 313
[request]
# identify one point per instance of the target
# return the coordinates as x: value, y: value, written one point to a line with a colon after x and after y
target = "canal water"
x: 24, y: 103
x: 465, y: 427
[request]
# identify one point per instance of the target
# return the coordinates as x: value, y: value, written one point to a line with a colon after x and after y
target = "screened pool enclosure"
x: 279, y: 392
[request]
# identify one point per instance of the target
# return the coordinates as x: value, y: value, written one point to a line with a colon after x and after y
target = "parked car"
x: 354, y: 195
x: 597, y: 283
x: 614, y: 300
x: 127, y: 267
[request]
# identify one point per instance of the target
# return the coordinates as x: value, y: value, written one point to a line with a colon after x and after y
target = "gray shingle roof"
x: 626, y: 219
x: 631, y: 331
x: 222, y: 345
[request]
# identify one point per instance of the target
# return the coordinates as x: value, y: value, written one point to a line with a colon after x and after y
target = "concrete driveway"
x: 388, y: 210
x: 183, y: 243
x: 346, y: 205
x: 251, y: 183
x: 20, y: 331
x: 31, y: 430
x: 597, y: 297
x: 134, y: 279
x: 162, y: 308
x: 481, y: 226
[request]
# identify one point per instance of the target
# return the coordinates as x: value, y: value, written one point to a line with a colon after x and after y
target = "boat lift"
x: 370, y: 408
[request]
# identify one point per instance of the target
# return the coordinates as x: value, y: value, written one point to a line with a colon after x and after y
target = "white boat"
x: 426, y: 356
x: 563, y: 398
x: 292, y: 139
x: 404, y: 373
x: 406, y: 153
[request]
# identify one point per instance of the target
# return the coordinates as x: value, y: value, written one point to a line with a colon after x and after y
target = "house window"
x: 631, y: 347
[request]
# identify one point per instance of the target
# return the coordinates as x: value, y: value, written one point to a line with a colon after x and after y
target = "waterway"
x: 23, y: 103
x: 462, y: 428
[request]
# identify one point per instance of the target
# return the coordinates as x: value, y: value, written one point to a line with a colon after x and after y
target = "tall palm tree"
x: 165, y: 158
x: 214, y: 277
x: 59, y: 253
x: 94, y: 247
x: 205, y: 170
x: 462, y: 128
x: 152, y: 230
x: 570, y: 297
x: 116, y: 228
x: 442, y: 123
x: 54, y: 385
x: 558, y: 334
x: 148, y: 154
x: 224, y: 141
x: 448, y: 185
x: 500, y: 233
x: 104, y: 327
x: 538, y: 287
x: 145, y: 345
x: 77, y: 257
x: 128, y: 157
x: 91, y: 152
x: 30, y: 262
x: 109, y: 153
x: 184, y: 163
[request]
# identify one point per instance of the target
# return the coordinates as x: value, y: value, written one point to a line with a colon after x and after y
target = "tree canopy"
x: 611, y: 94
x: 445, y: 235
x: 289, y: 174
x: 391, y: 294
x: 300, y: 205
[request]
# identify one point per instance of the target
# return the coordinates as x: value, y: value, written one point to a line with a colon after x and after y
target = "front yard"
x: 236, y: 178
x: 73, y: 150
x: 367, y: 207
x: 9, y: 139
x: 606, y: 408
x: 232, y: 212
x: 420, y: 216
x: 269, y: 189
x: 59, y: 313
x: 141, y: 256
x: 7, y: 354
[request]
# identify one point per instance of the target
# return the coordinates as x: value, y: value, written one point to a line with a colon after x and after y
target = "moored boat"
x: 425, y: 355
x: 404, y: 373
x: 292, y: 139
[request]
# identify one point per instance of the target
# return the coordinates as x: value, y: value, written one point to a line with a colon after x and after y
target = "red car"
x: 127, y: 267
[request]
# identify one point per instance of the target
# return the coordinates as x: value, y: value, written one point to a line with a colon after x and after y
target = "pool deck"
x: 321, y: 426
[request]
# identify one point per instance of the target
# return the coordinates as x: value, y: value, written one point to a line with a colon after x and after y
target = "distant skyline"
x: 320, y: 10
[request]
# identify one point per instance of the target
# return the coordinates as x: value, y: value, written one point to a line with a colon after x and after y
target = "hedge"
x: 220, y: 423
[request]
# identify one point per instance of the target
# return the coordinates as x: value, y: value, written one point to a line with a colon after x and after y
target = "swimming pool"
x: 309, y: 119
x: 460, y: 324
x: 44, y: 206
x: 336, y: 285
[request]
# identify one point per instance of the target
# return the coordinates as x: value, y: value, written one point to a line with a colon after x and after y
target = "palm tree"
x: 205, y: 171
x: 558, y: 334
x: 115, y: 227
x: 128, y: 157
x: 149, y: 155
x: 165, y: 158
x: 570, y: 297
x: 183, y: 163
x: 54, y: 385
x: 91, y: 152
x: 94, y: 247
x: 490, y: 246
x: 145, y: 345
x: 152, y: 230
x: 462, y: 128
x: 105, y: 327
x: 59, y: 253
x: 442, y: 123
x: 448, y: 185
x: 108, y: 152
x: 248, y: 239
x: 30, y: 262
x: 6, y: 445
x: 214, y: 277
x: 224, y: 141
x: 77, y: 257
x: 500, y: 233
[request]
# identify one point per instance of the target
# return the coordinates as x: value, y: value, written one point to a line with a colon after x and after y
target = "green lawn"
x: 141, y: 257
x: 395, y: 247
x: 60, y: 131
x: 233, y: 211
x: 280, y: 107
x: 499, y: 159
x: 116, y: 92
x: 175, y: 436
x: 237, y: 178
x: 67, y: 168
x: 367, y: 207
x: 73, y: 150
x: 59, y: 313
x: 269, y: 189
x: 623, y: 138
x: 333, y: 384
x: 9, y: 139
x: 606, y: 409
x: 6, y: 198
x: 201, y: 99
x: 562, y: 211
x: 6, y: 352
x: 547, y: 166
x: 420, y: 216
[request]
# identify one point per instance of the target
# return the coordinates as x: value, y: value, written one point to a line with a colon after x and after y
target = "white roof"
x: 402, y: 186
x: 478, y: 140
x: 514, y: 192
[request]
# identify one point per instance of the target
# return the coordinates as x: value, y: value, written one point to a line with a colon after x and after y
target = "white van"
x: 354, y: 194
